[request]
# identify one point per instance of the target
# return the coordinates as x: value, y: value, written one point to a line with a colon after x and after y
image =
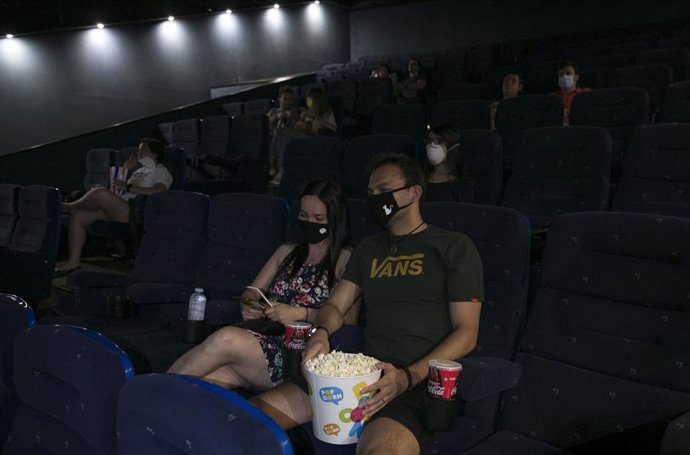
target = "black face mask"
x: 382, y: 206
x: 314, y: 232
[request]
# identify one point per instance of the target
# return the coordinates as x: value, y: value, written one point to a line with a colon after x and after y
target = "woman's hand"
x: 392, y: 383
x: 249, y: 312
x: 131, y: 162
x: 284, y: 313
x: 119, y: 184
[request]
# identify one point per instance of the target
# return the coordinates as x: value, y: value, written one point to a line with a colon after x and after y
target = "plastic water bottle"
x: 197, y: 305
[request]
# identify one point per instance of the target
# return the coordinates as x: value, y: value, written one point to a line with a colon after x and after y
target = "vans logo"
x: 393, y: 266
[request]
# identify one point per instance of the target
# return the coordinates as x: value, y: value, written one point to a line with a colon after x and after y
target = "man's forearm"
x: 329, y: 317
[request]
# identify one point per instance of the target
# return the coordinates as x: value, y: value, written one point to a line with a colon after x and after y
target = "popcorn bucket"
x: 335, y: 403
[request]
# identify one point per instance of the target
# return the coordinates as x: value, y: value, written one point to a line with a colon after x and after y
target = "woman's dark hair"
x: 331, y: 194
x: 449, y: 136
x: 320, y: 100
x: 156, y: 147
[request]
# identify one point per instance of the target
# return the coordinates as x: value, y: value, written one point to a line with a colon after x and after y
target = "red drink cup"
x: 441, y: 403
x: 296, y: 334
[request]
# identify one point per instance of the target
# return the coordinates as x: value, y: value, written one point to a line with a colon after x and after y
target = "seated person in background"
x: 447, y: 178
x: 317, y: 118
x: 102, y: 204
x: 428, y: 309
x: 512, y: 86
x: 286, y: 114
x: 299, y: 278
x: 384, y: 72
x: 413, y: 88
x: 568, y: 75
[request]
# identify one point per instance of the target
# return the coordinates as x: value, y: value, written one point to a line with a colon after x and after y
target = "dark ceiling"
x: 30, y: 16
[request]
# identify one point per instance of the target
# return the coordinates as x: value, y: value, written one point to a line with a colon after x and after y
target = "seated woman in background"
x: 318, y: 118
x: 414, y: 88
x: 446, y: 174
x: 102, y: 204
x: 299, y: 278
x: 283, y: 116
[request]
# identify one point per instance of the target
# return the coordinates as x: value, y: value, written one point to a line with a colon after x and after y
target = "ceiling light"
x: 317, y: 2
x: 171, y: 18
x: 99, y: 25
x: 228, y: 11
x: 9, y: 36
x: 276, y: 6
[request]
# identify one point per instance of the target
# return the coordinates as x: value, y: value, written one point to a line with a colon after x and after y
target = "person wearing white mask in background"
x: 568, y: 76
x: 103, y: 204
x: 447, y: 178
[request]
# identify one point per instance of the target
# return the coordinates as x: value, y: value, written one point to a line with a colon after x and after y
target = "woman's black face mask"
x: 313, y: 232
x: 383, y: 206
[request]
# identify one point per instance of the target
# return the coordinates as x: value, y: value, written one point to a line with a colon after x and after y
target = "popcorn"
x: 341, y: 365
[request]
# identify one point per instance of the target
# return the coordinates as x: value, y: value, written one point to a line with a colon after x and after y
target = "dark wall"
x: 443, y: 24
x: 57, y: 85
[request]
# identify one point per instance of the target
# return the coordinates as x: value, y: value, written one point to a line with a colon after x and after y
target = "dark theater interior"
x: 436, y: 227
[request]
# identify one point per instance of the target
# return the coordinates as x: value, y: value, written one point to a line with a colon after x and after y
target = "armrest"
x: 676, y: 440
x: 91, y: 279
x: 92, y: 288
x: 483, y: 377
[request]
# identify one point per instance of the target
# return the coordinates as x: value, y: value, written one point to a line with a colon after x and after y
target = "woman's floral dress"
x: 302, y: 290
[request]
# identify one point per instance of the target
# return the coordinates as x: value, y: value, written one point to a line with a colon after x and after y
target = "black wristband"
x: 408, y: 373
x: 328, y: 332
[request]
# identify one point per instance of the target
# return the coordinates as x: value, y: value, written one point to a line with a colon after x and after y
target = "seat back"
x: 9, y: 195
x: 456, y: 91
x: 166, y: 131
x: 175, y: 161
x: 523, y: 112
x: 407, y: 119
x: 656, y: 172
x: 359, y: 152
x: 259, y: 106
x: 465, y: 114
x: 655, y: 79
x: 347, y: 90
x: 307, y: 159
x: 15, y: 316
x: 243, y: 231
x: 482, y: 153
x: 220, y: 421
x: 123, y: 153
x: 604, y: 346
x: 678, y: 59
x: 619, y: 110
x: 215, y: 136
x: 560, y: 170
x: 68, y: 379
x: 248, y: 135
x: 175, y: 224
x: 676, y: 104
x: 372, y: 93
x: 234, y: 109
x: 98, y: 162
x: 185, y: 135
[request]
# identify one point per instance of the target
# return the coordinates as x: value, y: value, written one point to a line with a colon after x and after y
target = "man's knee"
x: 386, y: 436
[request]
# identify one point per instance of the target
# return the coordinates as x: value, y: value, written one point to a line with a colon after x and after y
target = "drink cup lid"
x: 298, y: 324
x: 445, y: 364
x: 198, y: 290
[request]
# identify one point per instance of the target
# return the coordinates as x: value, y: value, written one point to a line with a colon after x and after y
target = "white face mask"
x: 566, y: 82
x: 435, y: 153
x: 147, y: 162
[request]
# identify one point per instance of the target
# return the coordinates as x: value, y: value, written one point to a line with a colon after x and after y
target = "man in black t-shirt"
x: 423, y: 288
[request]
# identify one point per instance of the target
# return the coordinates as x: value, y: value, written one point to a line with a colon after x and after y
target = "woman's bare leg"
x: 231, y: 357
x: 76, y: 233
x: 114, y: 207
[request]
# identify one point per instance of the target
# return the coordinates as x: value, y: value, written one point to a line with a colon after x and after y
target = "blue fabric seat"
x: 483, y: 157
x: 465, y: 114
x: 98, y: 162
x: 407, y: 119
x: 559, y: 170
x: 15, y: 316
x: 68, y: 379
x: 309, y: 158
x: 678, y: 59
x: 619, y: 110
x: 602, y: 352
x: 515, y: 115
x: 656, y: 172
x: 27, y: 263
x: 676, y: 104
x: 359, y: 153
x: 372, y: 93
x: 9, y: 195
x: 258, y: 106
x: 654, y: 78
x: 234, y: 109
x: 185, y: 135
x: 154, y: 416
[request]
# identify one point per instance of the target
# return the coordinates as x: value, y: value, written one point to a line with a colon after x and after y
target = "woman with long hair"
x: 297, y: 279
x: 447, y: 177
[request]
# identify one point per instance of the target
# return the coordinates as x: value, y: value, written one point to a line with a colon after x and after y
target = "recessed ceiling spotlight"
x: 276, y: 6
x: 171, y: 18
x: 99, y: 25
x: 316, y: 2
x: 9, y: 36
x: 228, y: 11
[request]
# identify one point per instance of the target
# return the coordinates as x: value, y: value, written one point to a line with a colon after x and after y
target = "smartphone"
x: 268, y: 302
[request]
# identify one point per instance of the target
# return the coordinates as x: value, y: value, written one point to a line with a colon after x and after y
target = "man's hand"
x: 284, y: 313
x: 392, y: 383
x: 316, y: 344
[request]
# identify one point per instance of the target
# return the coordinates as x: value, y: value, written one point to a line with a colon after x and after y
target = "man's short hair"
x: 565, y: 63
x: 409, y: 168
x: 515, y: 73
x: 285, y: 90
